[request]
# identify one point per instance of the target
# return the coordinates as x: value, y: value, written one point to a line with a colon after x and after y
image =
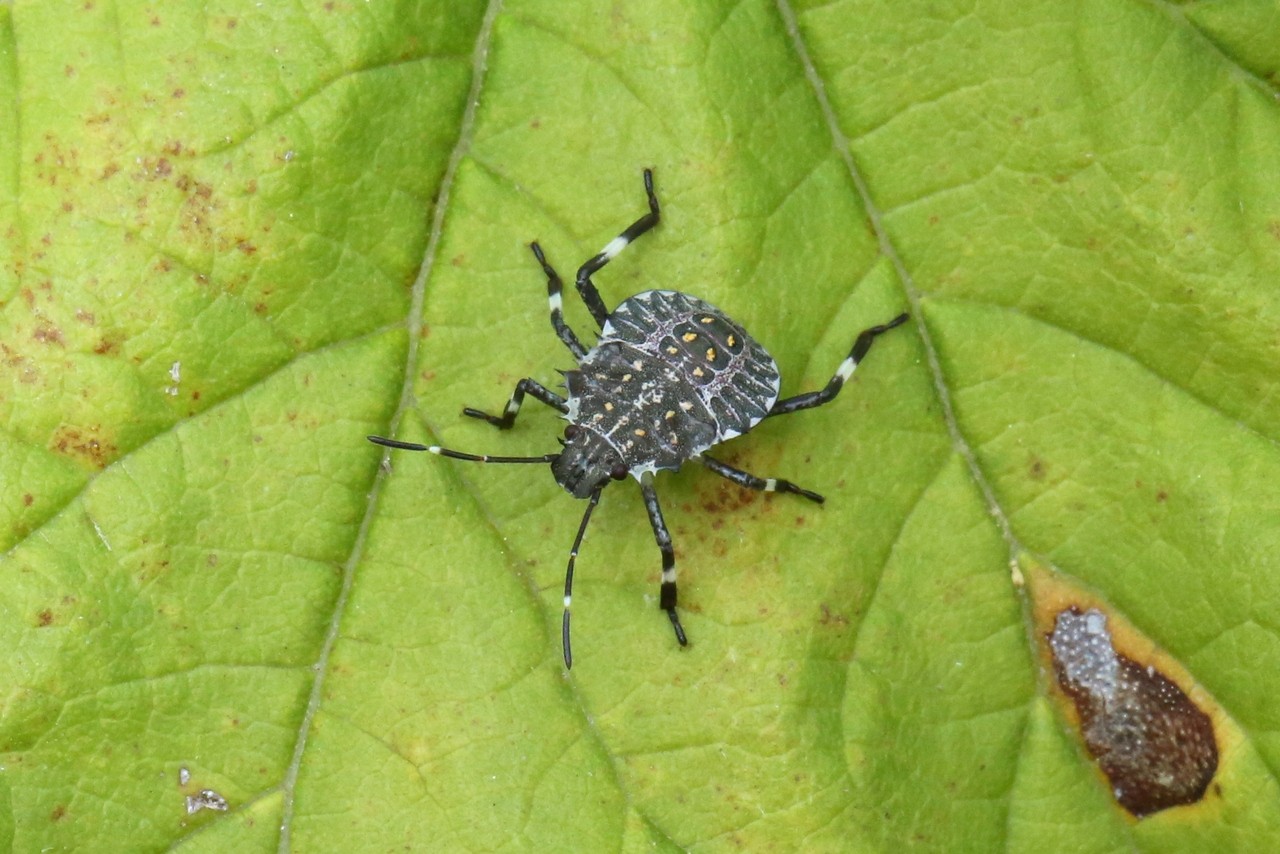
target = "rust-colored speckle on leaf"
x: 726, y: 497
x: 47, y: 333
x: 1155, y: 745
x: 82, y: 444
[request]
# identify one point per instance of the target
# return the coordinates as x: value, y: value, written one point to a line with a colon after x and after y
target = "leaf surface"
x: 235, y: 240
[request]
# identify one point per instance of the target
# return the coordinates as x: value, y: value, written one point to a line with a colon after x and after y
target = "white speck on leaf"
x: 206, y: 799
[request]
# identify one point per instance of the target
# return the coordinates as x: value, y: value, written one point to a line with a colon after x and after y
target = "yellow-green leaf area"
x: 237, y: 239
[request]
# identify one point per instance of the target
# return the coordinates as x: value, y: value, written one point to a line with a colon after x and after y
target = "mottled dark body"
x: 670, y: 377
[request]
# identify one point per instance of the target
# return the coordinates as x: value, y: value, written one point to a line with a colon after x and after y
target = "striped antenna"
x: 592, y: 501
x: 458, y: 455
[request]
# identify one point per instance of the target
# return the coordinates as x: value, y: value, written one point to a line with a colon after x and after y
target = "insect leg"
x: 588, y: 291
x: 457, y: 455
x: 750, y: 481
x: 568, y: 578
x: 808, y: 400
x: 508, y: 416
x: 667, y: 596
x: 554, y: 287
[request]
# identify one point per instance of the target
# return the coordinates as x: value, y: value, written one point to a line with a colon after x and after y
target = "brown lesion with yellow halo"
x: 1153, y: 732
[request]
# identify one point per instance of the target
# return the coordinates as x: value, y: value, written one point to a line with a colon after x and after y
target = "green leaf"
x: 236, y: 239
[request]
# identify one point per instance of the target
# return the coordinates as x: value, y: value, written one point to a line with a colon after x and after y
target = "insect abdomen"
x: 644, y: 408
x: 735, y: 378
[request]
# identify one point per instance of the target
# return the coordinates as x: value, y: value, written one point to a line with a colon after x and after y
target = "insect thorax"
x: 670, y: 377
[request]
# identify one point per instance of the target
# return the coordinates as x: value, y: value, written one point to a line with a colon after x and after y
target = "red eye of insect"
x: 618, y: 472
x: 571, y: 430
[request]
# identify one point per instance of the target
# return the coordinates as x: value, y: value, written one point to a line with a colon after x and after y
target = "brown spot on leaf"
x: 1156, y: 747
x: 832, y: 618
x: 83, y: 444
x: 47, y: 333
x: 726, y: 497
x: 1035, y: 468
x: 44, y: 618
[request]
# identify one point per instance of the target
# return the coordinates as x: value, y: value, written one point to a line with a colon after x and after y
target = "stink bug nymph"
x: 669, y: 377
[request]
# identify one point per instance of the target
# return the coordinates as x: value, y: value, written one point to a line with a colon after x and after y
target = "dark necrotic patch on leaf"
x: 1154, y: 744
